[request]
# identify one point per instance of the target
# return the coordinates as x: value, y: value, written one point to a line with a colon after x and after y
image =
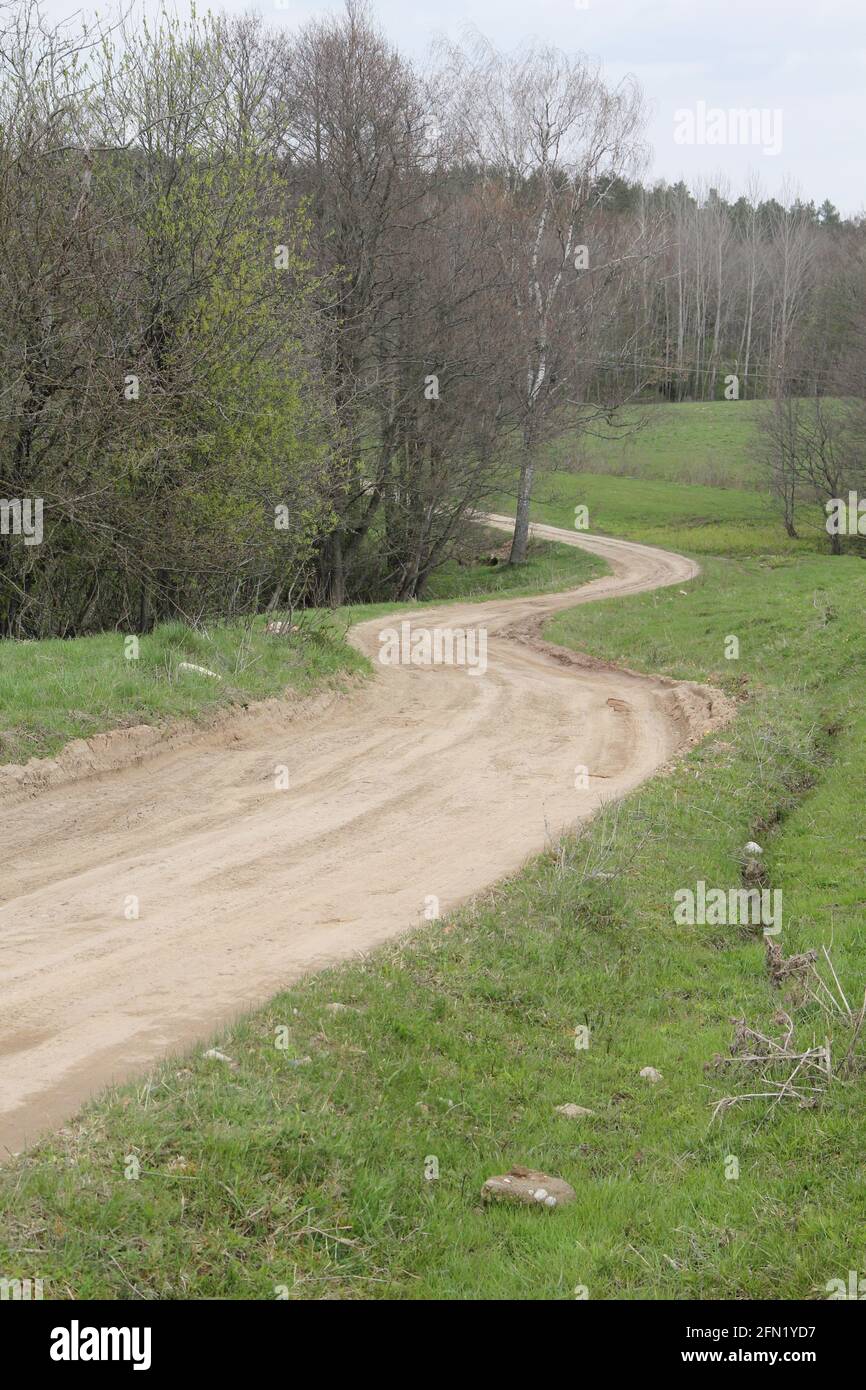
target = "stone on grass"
x: 528, y: 1187
x: 651, y: 1074
x: 572, y: 1111
x: 214, y: 1055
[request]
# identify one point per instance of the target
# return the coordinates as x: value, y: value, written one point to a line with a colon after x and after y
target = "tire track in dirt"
x: 421, y: 782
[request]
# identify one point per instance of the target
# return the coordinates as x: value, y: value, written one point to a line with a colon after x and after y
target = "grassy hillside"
x: 685, y: 476
x: 696, y: 443
x: 457, y: 1043
x: 700, y: 520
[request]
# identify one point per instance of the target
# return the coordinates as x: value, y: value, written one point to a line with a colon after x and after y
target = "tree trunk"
x: 520, y: 543
x: 332, y: 570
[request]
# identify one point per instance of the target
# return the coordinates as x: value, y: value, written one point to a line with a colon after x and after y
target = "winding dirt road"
x: 421, y: 782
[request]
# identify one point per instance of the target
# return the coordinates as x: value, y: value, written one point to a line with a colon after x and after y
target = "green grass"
x: 684, y: 476
x: 695, y: 443
x: 548, y: 568
x: 700, y: 520
x: 54, y: 691
x: 458, y: 1041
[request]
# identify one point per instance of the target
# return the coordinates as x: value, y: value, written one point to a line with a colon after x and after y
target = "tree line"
x: 280, y: 311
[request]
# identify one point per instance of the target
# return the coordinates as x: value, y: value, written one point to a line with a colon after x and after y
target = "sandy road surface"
x: 419, y: 782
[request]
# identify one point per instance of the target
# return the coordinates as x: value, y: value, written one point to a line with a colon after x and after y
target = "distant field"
x: 700, y: 520
x: 683, y: 476
x: 708, y: 443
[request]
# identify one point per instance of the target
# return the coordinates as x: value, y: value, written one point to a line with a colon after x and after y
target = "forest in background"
x: 279, y: 311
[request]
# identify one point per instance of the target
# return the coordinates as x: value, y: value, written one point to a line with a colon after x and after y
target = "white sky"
x: 803, y: 58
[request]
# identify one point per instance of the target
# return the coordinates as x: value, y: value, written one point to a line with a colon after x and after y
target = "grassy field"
x: 54, y: 691
x: 695, y: 443
x: 273, y: 1179
x: 699, y: 520
x: 685, y: 476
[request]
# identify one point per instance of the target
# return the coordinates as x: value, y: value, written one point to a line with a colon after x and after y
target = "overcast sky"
x: 802, y: 59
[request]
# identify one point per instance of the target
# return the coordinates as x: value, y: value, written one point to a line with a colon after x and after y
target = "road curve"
x: 423, y: 782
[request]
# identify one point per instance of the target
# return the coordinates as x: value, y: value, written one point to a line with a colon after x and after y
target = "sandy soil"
x: 421, y: 782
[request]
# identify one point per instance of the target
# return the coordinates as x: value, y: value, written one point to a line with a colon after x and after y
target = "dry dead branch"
x: 786, y: 1072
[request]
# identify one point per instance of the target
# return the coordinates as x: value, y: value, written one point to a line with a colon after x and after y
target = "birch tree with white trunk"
x: 548, y: 135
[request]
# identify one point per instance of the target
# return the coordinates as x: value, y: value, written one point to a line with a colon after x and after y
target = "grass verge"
x: 54, y: 691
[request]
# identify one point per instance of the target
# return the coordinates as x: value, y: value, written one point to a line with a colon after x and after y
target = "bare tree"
x: 356, y: 144
x: 546, y: 131
x: 779, y: 450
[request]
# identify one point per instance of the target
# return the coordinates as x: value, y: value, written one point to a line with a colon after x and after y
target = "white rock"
x: 573, y: 1112
x: 202, y: 670
x: 541, y: 1194
x: 752, y: 848
x: 216, y: 1056
x: 651, y: 1074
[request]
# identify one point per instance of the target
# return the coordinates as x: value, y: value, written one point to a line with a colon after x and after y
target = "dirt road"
x: 423, y: 782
